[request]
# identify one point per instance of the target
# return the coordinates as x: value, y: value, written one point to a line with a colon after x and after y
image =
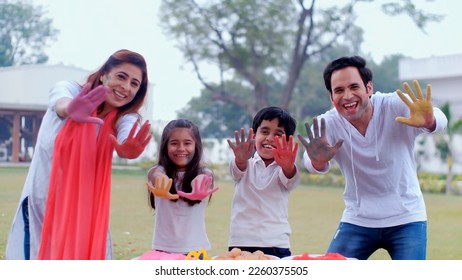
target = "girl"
x: 64, y: 206
x: 180, y: 210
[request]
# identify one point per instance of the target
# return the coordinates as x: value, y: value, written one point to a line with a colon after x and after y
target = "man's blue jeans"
x: 403, y: 242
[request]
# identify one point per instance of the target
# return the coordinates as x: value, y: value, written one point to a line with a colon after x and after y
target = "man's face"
x: 349, y: 95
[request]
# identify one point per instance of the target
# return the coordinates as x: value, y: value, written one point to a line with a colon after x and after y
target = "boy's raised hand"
x: 161, y: 188
x: 421, y: 109
x: 243, y: 149
x: 200, y: 188
x: 319, y: 151
x: 285, y: 154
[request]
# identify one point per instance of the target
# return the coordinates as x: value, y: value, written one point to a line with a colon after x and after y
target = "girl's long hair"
x: 193, y: 168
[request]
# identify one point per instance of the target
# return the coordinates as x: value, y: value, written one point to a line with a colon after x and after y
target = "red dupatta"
x: 76, y: 221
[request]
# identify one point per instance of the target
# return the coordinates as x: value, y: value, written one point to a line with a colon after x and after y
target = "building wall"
x: 25, y: 89
x: 444, y: 73
x: 27, y: 86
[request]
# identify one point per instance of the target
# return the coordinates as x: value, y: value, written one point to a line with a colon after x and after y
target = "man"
x: 373, y: 144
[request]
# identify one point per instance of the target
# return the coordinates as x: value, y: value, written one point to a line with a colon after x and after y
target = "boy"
x: 263, y: 181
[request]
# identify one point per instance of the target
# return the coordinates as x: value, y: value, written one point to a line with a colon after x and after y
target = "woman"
x: 64, y: 206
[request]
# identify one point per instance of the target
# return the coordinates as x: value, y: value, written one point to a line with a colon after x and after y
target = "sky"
x: 89, y: 31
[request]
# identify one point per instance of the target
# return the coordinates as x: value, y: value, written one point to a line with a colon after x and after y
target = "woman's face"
x: 124, y: 82
x: 181, y: 147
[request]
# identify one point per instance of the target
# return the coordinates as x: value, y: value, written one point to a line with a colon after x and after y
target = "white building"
x: 23, y: 102
x: 444, y: 73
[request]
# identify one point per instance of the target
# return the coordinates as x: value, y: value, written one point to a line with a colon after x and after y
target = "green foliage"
x: 215, y: 118
x: 386, y: 74
x: 25, y: 32
x: 333, y: 178
x: 313, y: 215
x: 429, y: 182
x: 260, y: 45
x: 444, y: 144
x: 419, y: 17
x: 267, y: 52
x: 432, y: 183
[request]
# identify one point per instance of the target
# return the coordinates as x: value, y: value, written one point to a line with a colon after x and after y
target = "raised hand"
x: 161, y: 188
x: 318, y: 149
x: 82, y: 106
x: 285, y: 153
x: 243, y: 149
x: 421, y: 109
x: 133, y: 146
x: 200, y: 188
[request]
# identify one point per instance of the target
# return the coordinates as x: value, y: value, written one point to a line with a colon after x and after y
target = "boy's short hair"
x: 272, y: 112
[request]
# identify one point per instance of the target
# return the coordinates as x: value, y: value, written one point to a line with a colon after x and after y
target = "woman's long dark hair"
x: 193, y: 168
x: 116, y: 59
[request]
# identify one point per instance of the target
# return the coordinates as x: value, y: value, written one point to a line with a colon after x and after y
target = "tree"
x: 24, y: 33
x: 445, y: 143
x: 263, y: 45
x: 218, y: 119
x: 386, y: 74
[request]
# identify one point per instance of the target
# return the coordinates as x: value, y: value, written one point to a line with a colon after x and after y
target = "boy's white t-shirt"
x: 259, y: 213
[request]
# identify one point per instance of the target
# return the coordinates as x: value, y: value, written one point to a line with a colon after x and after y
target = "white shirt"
x: 382, y: 188
x: 259, y: 213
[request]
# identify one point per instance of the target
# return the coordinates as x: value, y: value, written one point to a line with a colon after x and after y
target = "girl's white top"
x: 178, y: 227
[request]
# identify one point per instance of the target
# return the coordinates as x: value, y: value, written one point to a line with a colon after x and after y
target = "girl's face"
x: 124, y: 82
x: 181, y: 147
x: 264, y: 139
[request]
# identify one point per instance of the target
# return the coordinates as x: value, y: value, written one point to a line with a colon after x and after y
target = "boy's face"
x: 264, y: 139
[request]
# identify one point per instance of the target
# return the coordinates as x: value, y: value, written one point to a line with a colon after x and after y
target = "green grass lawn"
x: 314, y: 214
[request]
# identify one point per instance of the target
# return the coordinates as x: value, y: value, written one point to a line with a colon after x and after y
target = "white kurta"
x: 37, y: 180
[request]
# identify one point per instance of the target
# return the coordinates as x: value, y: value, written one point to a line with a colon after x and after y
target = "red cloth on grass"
x: 76, y: 221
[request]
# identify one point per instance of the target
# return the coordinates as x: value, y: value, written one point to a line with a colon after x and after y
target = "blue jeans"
x: 25, y: 216
x: 403, y: 242
x: 273, y: 251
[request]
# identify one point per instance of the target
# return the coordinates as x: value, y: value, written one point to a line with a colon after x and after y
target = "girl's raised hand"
x: 200, y: 188
x: 161, y: 188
